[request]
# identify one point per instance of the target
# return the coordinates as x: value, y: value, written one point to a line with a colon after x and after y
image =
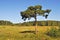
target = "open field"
x: 14, y: 33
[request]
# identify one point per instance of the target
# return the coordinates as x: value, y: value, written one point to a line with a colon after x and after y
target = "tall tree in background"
x: 34, y: 11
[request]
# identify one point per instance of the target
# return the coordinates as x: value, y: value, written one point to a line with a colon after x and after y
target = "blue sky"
x: 10, y: 9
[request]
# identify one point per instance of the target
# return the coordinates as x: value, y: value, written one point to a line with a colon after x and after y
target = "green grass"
x: 13, y: 33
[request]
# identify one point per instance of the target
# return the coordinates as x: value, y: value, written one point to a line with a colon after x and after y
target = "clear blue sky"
x: 10, y: 9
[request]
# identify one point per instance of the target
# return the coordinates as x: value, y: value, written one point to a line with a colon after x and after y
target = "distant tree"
x: 50, y: 23
x: 54, y: 23
x: 34, y: 11
x: 2, y: 22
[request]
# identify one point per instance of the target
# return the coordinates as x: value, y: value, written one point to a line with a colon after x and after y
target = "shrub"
x: 54, y: 32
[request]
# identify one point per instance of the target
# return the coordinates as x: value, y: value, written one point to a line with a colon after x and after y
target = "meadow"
x: 24, y: 33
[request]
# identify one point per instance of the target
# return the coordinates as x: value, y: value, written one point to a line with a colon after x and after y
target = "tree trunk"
x: 35, y: 25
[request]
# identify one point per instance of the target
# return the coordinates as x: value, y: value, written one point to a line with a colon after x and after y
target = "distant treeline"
x: 2, y: 22
x: 39, y: 23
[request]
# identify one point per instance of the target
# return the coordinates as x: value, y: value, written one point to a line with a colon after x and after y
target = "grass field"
x: 14, y: 33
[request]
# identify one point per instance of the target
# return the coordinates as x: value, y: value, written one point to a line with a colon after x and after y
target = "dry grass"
x: 13, y: 32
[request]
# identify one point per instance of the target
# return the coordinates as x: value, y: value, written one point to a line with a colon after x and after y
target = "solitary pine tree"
x: 34, y: 11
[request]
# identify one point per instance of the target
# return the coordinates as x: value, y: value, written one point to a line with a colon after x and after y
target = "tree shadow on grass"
x: 28, y: 32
